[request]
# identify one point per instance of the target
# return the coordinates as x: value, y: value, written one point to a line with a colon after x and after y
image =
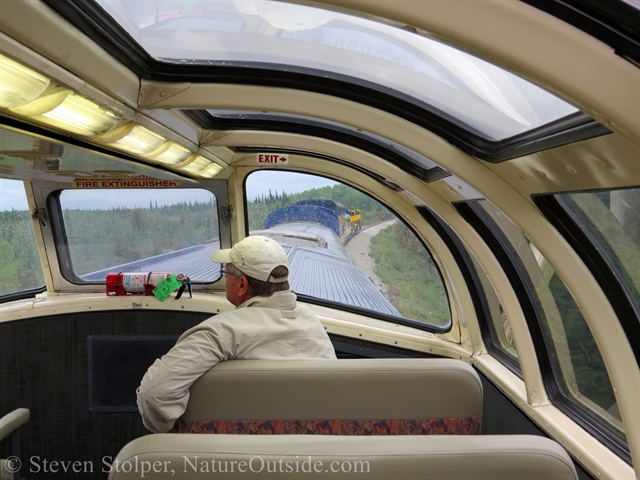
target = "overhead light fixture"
x: 200, y: 166
x: 133, y: 138
x: 63, y: 109
x: 19, y: 84
x: 211, y: 171
x: 26, y: 93
x: 174, y: 154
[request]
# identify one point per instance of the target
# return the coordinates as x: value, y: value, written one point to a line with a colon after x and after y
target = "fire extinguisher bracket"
x: 159, y: 284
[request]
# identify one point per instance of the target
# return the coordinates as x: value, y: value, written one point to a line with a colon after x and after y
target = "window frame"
x: 613, y: 23
x: 511, y: 264
x: 22, y: 295
x: 476, y: 290
x: 58, y: 231
x: 349, y: 308
x: 409, y: 161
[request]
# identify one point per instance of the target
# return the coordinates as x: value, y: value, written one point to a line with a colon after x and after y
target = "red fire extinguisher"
x: 138, y: 283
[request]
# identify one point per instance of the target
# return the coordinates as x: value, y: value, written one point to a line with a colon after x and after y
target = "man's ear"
x: 244, y: 289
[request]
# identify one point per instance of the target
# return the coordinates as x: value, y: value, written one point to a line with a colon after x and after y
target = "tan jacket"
x: 268, y: 328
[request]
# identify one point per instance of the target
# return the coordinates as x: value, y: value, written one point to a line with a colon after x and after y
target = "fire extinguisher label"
x: 134, y: 282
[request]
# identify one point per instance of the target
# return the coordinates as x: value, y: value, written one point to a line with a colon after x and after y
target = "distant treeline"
x: 100, y: 239
x: 372, y: 210
x: 21, y: 269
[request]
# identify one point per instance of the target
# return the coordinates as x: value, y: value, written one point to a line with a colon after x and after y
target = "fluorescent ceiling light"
x: 18, y: 84
x: 140, y: 141
x: 70, y: 112
x: 194, y: 164
x: 173, y: 155
x: 201, y: 166
x: 134, y: 139
x: 82, y: 116
x: 28, y: 94
x: 61, y: 108
x: 212, y: 171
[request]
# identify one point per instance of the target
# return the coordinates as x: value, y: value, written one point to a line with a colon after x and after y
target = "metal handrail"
x: 10, y: 424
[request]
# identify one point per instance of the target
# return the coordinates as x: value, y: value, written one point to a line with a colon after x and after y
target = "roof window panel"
x: 483, y: 98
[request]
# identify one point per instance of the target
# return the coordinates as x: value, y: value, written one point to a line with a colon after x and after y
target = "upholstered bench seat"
x: 329, y: 397
x: 470, y: 457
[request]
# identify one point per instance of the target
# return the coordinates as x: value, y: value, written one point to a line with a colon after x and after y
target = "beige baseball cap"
x: 255, y: 256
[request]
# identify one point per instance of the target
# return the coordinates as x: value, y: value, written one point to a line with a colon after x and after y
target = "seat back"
x: 476, y: 457
x: 345, y: 397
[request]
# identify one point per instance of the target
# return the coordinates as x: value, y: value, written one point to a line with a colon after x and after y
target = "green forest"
x: 588, y: 367
x: 21, y: 269
x: 412, y: 278
x: 99, y: 239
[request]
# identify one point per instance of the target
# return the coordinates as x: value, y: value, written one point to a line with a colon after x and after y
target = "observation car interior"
x: 456, y: 185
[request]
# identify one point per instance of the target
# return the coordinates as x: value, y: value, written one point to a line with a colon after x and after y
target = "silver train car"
x: 318, y: 210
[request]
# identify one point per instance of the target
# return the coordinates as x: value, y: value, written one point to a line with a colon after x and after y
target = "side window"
x: 494, y: 324
x: 611, y: 220
x: 578, y: 368
x: 172, y: 230
x: 21, y: 268
x: 345, y: 247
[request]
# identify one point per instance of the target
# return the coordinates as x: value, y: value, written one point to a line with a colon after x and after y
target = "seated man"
x: 266, y: 324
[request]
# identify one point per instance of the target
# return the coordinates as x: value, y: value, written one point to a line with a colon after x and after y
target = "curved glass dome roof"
x: 485, y: 98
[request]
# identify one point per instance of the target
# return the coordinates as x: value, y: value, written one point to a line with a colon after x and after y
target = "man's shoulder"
x: 304, y: 311
x: 224, y: 317
x: 231, y: 317
x: 216, y: 323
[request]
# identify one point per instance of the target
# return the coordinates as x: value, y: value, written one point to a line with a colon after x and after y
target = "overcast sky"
x: 259, y: 183
x: 12, y: 194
